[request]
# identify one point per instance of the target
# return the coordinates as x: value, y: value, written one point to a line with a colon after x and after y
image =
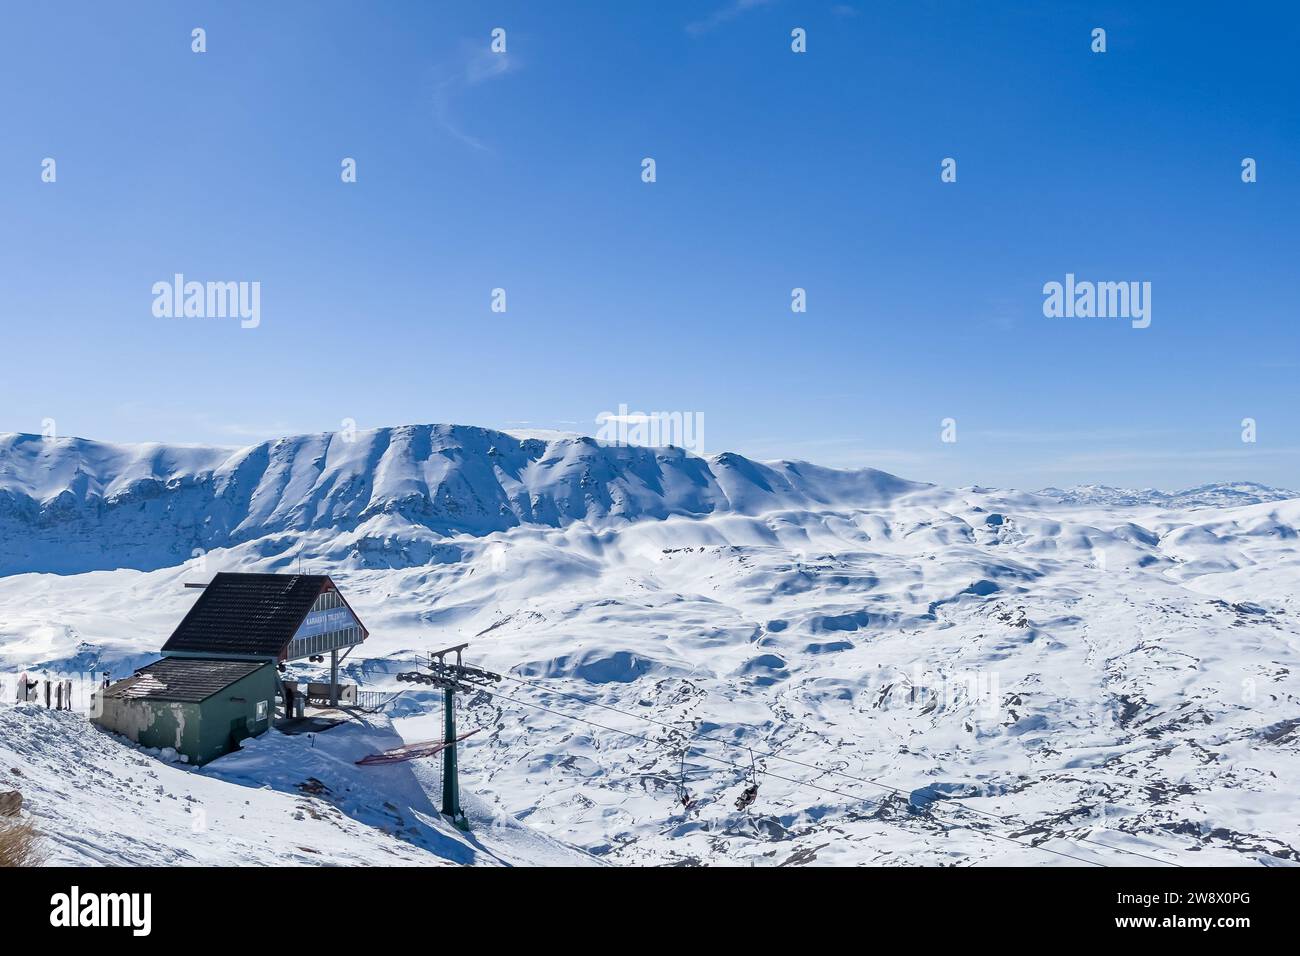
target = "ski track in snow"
x: 1092, y: 671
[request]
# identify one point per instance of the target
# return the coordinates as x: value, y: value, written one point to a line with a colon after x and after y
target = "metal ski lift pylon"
x: 451, y: 678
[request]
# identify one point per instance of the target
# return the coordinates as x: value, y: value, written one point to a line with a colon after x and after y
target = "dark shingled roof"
x: 253, y: 614
x: 183, y: 679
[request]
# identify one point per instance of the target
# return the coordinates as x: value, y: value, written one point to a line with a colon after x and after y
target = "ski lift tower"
x: 451, y: 678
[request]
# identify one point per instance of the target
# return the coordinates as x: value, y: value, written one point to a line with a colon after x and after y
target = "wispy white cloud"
x: 723, y: 15
x: 844, y: 452
x: 473, y: 66
x: 634, y: 418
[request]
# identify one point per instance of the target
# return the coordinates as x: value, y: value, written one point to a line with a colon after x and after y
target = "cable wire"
x: 857, y: 798
x: 948, y: 801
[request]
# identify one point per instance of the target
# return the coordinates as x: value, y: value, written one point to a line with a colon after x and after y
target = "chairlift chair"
x: 750, y: 793
x: 683, y: 795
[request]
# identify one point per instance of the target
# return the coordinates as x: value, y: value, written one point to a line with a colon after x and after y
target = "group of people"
x: 57, y: 694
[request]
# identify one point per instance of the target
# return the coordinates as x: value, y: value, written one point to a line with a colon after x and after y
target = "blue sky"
x: 775, y: 170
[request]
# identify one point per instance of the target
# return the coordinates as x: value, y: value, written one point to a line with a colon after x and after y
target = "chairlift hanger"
x: 750, y: 793
x: 683, y: 795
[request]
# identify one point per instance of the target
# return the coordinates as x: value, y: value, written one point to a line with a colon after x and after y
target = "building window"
x: 261, y: 710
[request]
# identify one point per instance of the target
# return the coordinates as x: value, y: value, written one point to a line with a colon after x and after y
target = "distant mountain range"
x: 1217, y: 495
x: 69, y: 505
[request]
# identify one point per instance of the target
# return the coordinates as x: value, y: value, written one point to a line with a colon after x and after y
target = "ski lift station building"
x: 218, y: 678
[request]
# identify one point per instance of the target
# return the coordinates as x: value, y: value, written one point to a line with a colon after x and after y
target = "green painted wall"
x: 154, y: 723
x: 202, y: 731
x: 230, y: 715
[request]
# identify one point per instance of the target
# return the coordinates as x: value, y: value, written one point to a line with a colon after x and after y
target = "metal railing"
x: 373, y: 701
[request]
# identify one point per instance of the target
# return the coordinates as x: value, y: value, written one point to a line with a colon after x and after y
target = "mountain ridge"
x: 71, y: 505
x: 74, y: 504
x: 1219, y: 494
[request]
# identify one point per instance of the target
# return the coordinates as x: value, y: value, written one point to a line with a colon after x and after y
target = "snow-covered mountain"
x: 1216, y: 495
x: 920, y: 674
x: 71, y: 505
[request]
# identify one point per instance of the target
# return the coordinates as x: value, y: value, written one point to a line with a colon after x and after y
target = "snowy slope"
x: 1092, y: 678
x: 98, y: 800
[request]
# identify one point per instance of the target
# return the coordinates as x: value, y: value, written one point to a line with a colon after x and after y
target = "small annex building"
x: 201, y: 708
x: 218, y: 680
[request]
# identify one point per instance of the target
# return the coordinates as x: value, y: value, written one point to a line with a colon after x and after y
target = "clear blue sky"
x: 775, y: 170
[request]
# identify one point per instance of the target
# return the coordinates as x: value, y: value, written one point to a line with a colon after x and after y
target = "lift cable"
x: 948, y: 801
x: 946, y: 824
